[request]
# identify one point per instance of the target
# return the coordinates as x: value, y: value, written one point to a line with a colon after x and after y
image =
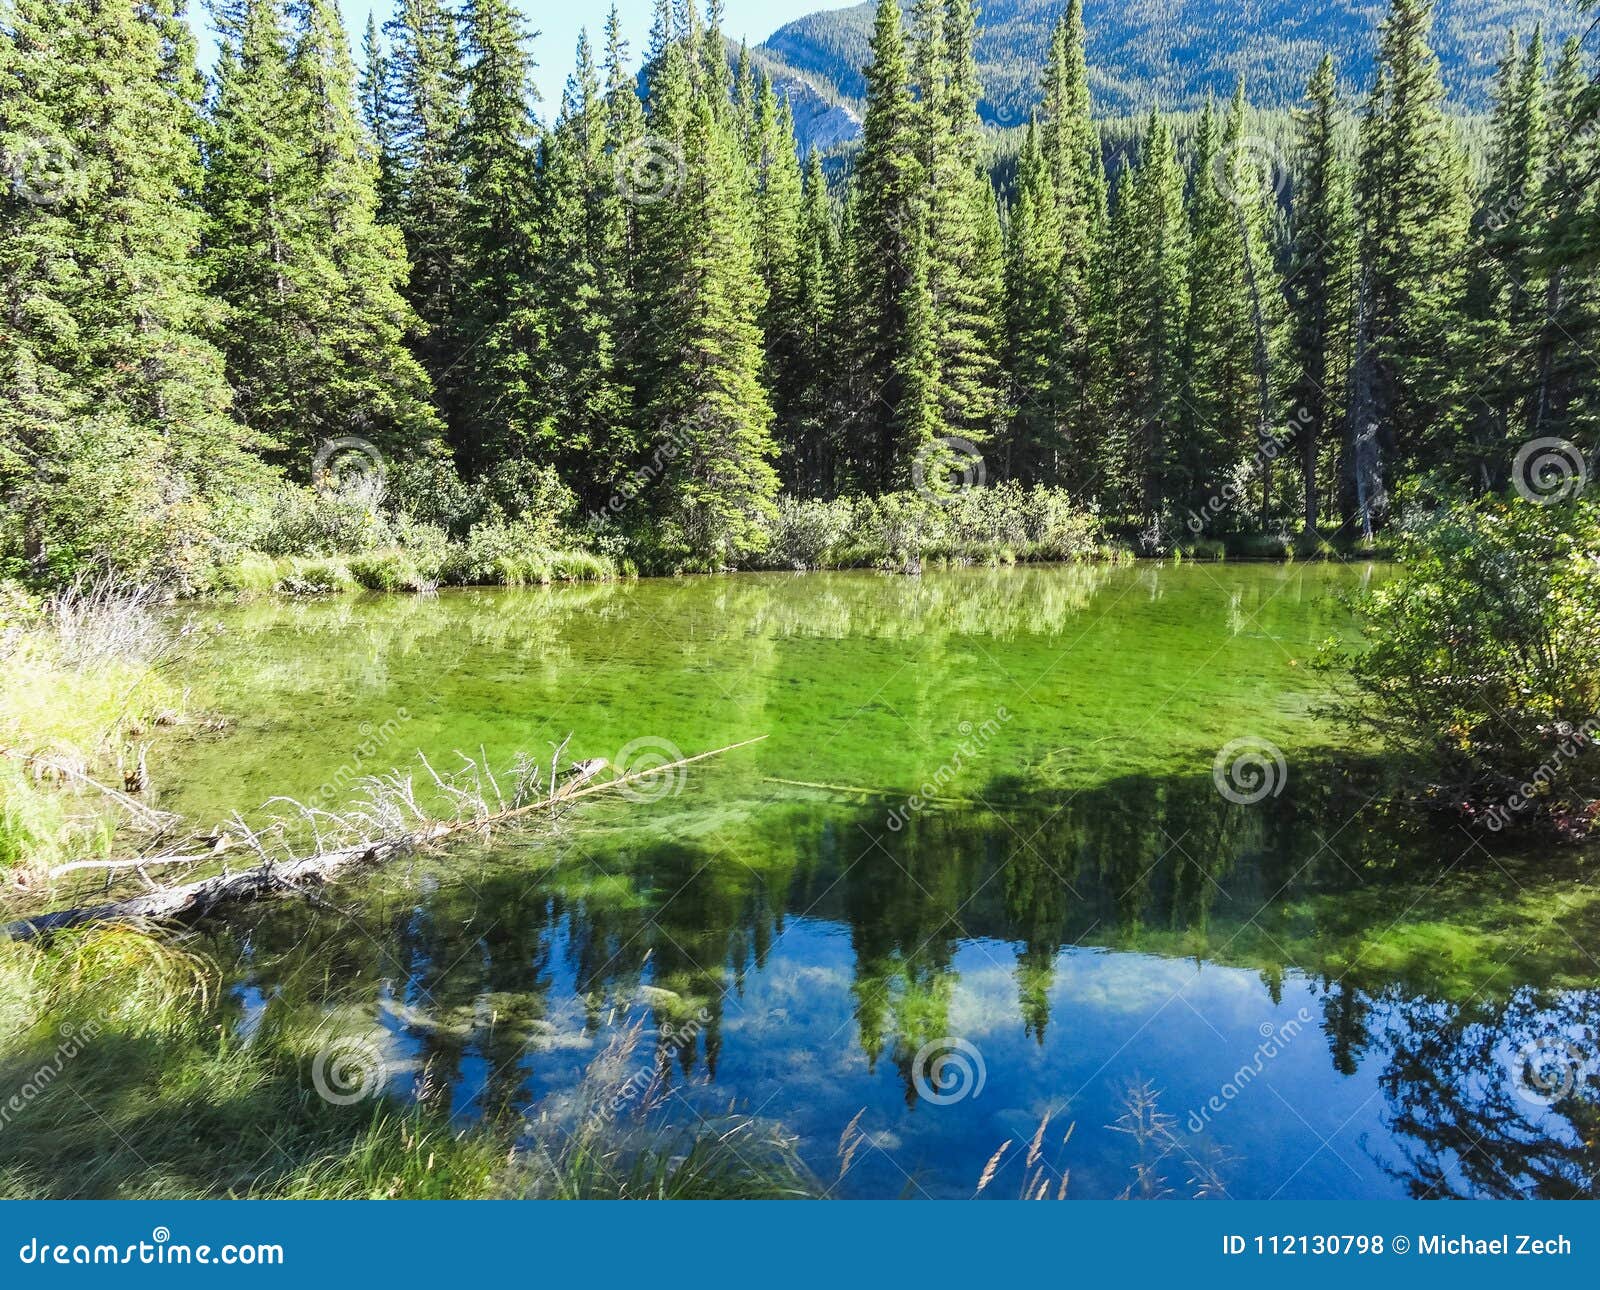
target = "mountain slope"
x: 1173, y: 52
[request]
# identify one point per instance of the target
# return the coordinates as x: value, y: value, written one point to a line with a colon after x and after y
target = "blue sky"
x: 559, y: 23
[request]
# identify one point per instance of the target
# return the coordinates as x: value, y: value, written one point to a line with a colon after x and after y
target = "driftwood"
x: 188, y: 902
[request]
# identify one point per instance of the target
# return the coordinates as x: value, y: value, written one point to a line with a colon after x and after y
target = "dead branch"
x: 274, y: 875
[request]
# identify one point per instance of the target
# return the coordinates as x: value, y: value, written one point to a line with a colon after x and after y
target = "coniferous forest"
x: 748, y: 886
x: 633, y: 321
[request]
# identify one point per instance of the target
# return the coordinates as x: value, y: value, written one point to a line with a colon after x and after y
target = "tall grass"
x: 81, y: 690
x: 152, y: 1087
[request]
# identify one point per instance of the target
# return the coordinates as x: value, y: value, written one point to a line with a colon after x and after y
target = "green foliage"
x: 898, y: 531
x: 1480, y: 657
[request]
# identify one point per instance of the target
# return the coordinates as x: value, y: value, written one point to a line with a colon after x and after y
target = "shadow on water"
x: 805, y: 957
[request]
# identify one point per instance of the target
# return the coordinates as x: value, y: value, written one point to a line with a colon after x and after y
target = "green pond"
x: 986, y: 865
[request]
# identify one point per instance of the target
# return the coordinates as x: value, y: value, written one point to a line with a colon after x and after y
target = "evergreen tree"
x: 116, y: 443
x: 589, y: 433
x: 965, y: 257
x: 1071, y: 147
x: 1413, y: 211
x: 888, y: 266
x: 708, y: 414
x: 1565, y: 400
x: 1321, y: 280
x: 1152, y: 339
x: 317, y: 329
x: 377, y: 115
x: 812, y: 443
x: 1505, y: 289
x: 1034, y: 309
x: 778, y: 200
x: 500, y: 322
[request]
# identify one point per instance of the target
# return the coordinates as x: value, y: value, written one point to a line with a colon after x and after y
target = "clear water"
x: 1319, y: 995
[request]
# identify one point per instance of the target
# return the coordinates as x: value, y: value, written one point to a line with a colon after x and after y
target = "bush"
x: 1481, y: 658
x: 997, y: 525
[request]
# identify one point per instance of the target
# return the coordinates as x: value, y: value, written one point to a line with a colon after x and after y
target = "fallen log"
x: 191, y: 901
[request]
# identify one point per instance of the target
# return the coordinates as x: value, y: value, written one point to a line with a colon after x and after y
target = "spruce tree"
x: 812, y: 443
x: 1034, y: 309
x: 424, y: 69
x: 888, y: 267
x: 1413, y: 210
x: 589, y: 433
x: 708, y: 417
x: 1321, y: 281
x: 1071, y: 146
x: 1565, y: 400
x: 317, y: 329
x: 1505, y: 288
x: 116, y: 443
x: 1153, y: 338
x: 500, y: 322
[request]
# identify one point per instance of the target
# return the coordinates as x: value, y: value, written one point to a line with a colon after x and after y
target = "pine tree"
x: 317, y: 330
x: 965, y: 257
x: 377, y: 114
x: 116, y: 442
x: 1504, y: 294
x: 500, y: 322
x: 590, y: 432
x: 1265, y: 310
x: 708, y: 415
x: 887, y: 266
x: 1219, y: 397
x: 1071, y: 146
x: 812, y: 444
x: 424, y: 69
x: 778, y: 199
x: 1153, y: 338
x: 1034, y: 309
x: 1321, y: 282
x: 1565, y: 400
x: 1413, y: 211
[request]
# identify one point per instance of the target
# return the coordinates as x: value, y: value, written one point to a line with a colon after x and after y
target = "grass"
x: 81, y: 689
x: 135, y: 1078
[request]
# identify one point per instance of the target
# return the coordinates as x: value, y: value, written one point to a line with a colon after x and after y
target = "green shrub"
x: 1481, y: 658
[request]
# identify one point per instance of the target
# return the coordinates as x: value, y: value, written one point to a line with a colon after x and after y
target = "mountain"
x: 1174, y: 52
x: 821, y: 117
